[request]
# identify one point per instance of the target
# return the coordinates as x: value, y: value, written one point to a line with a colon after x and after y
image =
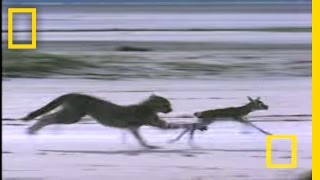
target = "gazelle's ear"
x: 250, y: 99
x: 258, y: 98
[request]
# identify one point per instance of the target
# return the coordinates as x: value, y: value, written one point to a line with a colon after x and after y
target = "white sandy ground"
x: 90, y: 151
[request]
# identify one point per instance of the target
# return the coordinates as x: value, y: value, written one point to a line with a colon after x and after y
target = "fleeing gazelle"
x: 227, y: 114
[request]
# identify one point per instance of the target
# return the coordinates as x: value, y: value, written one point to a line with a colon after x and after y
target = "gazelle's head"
x: 257, y: 104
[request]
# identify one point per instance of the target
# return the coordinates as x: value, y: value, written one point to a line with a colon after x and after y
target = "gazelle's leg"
x: 193, y: 129
x: 124, y: 137
x: 180, y: 136
x: 244, y: 129
x: 244, y: 125
x: 135, y: 132
x: 256, y: 127
x: 198, y: 126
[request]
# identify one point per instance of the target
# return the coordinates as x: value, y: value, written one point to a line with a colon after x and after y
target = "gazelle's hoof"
x: 194, y: 146
x: 151, y: 147
x: 204, y: 128
x: 245, y: 132
x: 171, y: 141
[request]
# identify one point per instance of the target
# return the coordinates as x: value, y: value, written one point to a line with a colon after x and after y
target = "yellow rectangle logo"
x: 293, y: 163
x: 33, y: 12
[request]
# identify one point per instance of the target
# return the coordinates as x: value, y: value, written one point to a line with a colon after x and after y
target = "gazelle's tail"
x: 198, y: 114
x: 50, y: 106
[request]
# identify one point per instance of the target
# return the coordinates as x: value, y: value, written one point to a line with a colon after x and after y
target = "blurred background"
x: 199, y: 54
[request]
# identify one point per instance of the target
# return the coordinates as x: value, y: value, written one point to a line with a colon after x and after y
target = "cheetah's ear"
x: 250, y: 99
x: 154, y: 94
x: 258, y: 98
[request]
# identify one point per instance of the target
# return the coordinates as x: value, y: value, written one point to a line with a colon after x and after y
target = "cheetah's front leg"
x: 136, y: 134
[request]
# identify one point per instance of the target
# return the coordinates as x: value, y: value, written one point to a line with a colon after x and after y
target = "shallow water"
x: 196, y: 64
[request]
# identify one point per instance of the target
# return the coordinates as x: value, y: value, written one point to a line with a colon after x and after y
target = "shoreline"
x: 104, y: 46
